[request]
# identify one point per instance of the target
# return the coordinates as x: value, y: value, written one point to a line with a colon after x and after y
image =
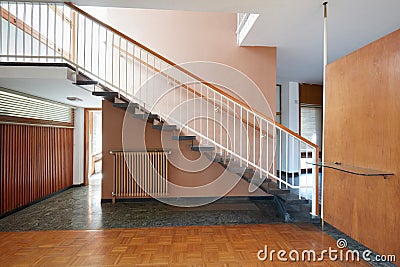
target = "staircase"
x: 152, y: 88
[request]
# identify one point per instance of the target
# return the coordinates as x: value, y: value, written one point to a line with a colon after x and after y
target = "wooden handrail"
x: 213, y: 87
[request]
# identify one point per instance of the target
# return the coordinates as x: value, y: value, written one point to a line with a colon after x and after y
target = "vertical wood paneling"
x: 35, y: 161
x: 363, y: 129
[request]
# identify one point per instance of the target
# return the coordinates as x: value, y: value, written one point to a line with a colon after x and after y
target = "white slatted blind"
x: 19, y: 105
x: 311, y: 123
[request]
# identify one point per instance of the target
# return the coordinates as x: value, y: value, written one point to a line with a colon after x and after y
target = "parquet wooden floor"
x: 166, y: 246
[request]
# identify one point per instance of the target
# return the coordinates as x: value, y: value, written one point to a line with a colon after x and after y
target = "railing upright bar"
x: 8, y: 32
x: 140, y: 74
x: 84, y: 42
x: 299, y: 166
x: 16, y: 32
x: 23, y: 32
x: 221, y: 126
x: 62, y: 30
x: 261, y: 147
x: 254, y: 138
x: 119, y: 65
x: 234, y: 127
x: 133, y: 69
x: 292, y: 161
x: 287, y: 158
x: 228, y: 132
x: 32, y: 53
x: 91, y: 48
x: 55, y: 33
x: 267, y: 150
x: 240, y: 135
x: 106, y: 55
x: 126, y: 66
x: 98, y: 51
x: 247, y: 138
x: 47, y: 31
x: 112, y: 60
x: 280, y: 159
x: 71, y: 27
x: 76, y: 45
x: 214, y: 119
x: 1, y: 29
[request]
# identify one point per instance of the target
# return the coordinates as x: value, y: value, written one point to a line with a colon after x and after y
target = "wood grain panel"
x: 35, y: 162
x: 362, y: 129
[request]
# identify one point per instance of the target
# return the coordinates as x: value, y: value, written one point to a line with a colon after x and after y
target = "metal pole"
x: 325, y: 5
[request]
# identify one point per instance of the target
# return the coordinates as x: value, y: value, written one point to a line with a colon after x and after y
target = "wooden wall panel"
x: 363, y: 129
x: 35, y: 161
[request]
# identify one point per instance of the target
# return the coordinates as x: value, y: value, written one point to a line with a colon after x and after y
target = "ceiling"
x: 35, y: 81
x: 294, y: 27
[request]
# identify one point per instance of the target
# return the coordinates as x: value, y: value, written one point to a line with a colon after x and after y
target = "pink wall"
x: 183, y: 36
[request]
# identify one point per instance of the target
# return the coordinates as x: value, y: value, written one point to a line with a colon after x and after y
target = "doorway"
x: 93, y: 147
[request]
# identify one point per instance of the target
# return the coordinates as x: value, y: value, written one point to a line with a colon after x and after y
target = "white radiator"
x: 140, y: 174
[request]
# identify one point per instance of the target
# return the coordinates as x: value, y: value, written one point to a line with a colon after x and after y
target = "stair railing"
x: 61, y: 32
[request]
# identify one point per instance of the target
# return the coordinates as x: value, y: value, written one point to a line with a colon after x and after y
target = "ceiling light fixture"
x: 74, y: 98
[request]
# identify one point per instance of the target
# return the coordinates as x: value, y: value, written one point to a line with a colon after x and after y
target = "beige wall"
x: 363, y: 129
x: 139, y: 135
x: 195, y: 36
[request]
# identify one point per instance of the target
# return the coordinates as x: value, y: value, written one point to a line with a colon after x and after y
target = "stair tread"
x: 164, y: 127
x: 105, y: 93
x: 183, y: 137
x: 86, y: 82
x: 202, y: 148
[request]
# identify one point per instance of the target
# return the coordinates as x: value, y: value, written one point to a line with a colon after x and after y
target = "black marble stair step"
x: 164, y: 127
x: 240, y: 170
x: 292, y: 199
x: 183, y: 137
x: 146, y: 116
x: 125, y: 105
x: 202, y: 148
x: 105, y: 94
x: 86, y: 82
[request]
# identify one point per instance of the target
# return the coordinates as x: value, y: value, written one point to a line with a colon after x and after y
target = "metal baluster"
x: 91, y: 48
x: 112, y: 61
x: 267, y: 150
x: 247, y: 138
x: 77, y: 43
x: 8, y: 32
x: 280, y: 159
x: 254, y: 138
x: 16, y: 32
x: 32, y: 32
x: 47, y: 32
x: 1, y: 30
x: 140, y: 75
x: 119, y: 65
x: 221, y: 125
x: 126, y: 68
x: 84, y: 42
x: 23, y: 31
x: 214, y: 114
x: 133, y: 70
x: 70, y: 34
x: 261, y: 139
x: 55, y: 33
x: 106, y: 55
x: 240, y: 134
x: 292, y: 161
x: 98, y: 51
x: 299, y: 165
x: 62, y: 32
x: 287, y: 158
x: 234, y: 127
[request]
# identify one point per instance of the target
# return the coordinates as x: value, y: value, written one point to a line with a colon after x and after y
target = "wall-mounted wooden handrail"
x: 213, y: 87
